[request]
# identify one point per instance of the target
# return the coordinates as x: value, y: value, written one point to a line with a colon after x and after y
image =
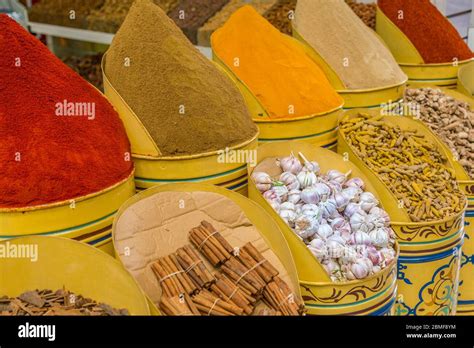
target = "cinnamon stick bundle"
x: 229, y: 292
x: 177, y: 306
x: 252, y: 258
x: 173, y: 280
x: 210, y: 304
x: 194, y: 266
x: 278, y: 296
x: 210, y: 242
x: 246, y: 278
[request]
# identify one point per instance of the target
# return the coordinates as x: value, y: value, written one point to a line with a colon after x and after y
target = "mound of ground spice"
x: 48, y: 154
x: 281, y: 15
x: 428, y: 29
x: 215, y: 22
x: 348, y: 46
x: 111, y: 15
x: 274, y: 66
x: 185, y: 103
x: 190, y: 15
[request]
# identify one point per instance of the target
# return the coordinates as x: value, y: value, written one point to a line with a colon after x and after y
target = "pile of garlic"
x: 341, y: 224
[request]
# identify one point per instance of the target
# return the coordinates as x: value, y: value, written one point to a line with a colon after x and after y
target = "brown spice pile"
x: 366, y: 12
x: 60, y: 302
x: 190, y: 15
x: 185, y: 103
x: 111, y: 15
x: 88, y: 67
x: 59, y: 12
x: 452, y: 120
x: 279, y: 15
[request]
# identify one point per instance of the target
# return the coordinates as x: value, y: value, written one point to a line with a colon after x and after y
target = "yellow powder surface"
x: 274, y: 66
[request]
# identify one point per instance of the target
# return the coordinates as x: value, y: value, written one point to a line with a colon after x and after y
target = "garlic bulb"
x: 262, y: 180
x: 351, y: 209
x: 306, y: 179
x: 290, y: 164
x: 359, y: 222
x: 355, y: 182
x: 337, y: 176
x: 360, y: 270
x: 281, y: 192
x: 324, y: 230
x: 318, y: 248
x: 294, y: 196
x: 341, y: 201
x: 290, y: 181
x: 352, y: 193
x: 322, y: 190
x: 328, y: 208
x: 379, y: 237
x: 306, y: 227
x: 311, y: 167
x: 368, y: 201
x: 342, y: 226
x: 288, y: 215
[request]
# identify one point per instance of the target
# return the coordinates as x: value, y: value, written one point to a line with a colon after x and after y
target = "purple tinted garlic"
x: 328, y: 208
x: 336, y: 176
x: 290, y: 181
x: 351, y: 209
x: 359, y: 270
x: 290, y: 164
x: 380, y: 217
x: 349, y: 255
x: 368, y: 201
x: 323, y: 190
x: 271, y: 195
x: 306, y: 179
x: 310, y: 196
x: 331, y: 266
x: 352, y: 194
x: 281, y: 192
x: 380, y: 237
x: 359, y: 222
x: 320, y: 253
x: 262, y: 180
x: 341, y: 201
x: 294, y: 196
x: 373, y: 255
x: 324, y: 230
x: 355, y: 182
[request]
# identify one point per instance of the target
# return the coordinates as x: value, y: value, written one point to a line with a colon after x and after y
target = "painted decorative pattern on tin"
x: 357, y: 293
x: 409, y: 233
x: 438, y: 296
x: 469, y: 189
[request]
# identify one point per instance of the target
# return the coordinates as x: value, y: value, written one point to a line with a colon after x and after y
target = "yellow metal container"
x: 374, y: 295
x: 466, y: 79
x: 318, y: 129
x: 151, y: 168
x: 466, y: 278
x: 81, y: 218
x: 373, y: 98
x: 429, y: 262
x: 62, y: 262
x: 265, y: 225
x: 410, y: 59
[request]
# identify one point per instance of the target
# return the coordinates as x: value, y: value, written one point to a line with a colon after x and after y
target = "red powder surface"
x: 430, y: 32
x: 46, y: 158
